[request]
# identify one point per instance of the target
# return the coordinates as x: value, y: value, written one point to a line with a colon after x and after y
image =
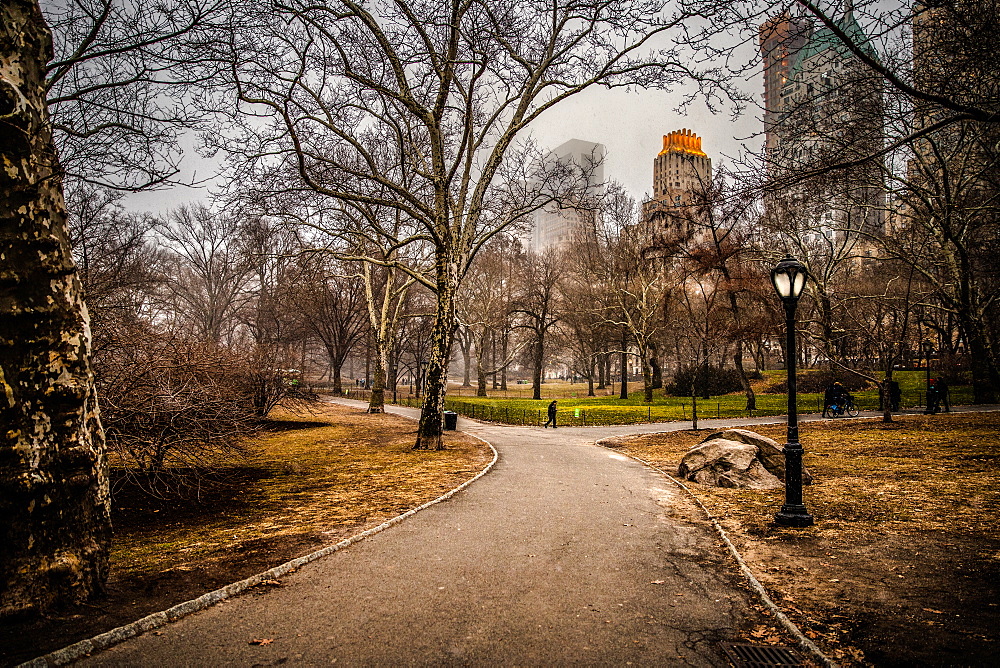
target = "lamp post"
x: 789, y: 279
x: 928, y: 349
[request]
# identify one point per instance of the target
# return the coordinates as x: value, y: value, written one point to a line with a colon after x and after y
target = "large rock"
x: 721, y: 462
x: 769, y: 451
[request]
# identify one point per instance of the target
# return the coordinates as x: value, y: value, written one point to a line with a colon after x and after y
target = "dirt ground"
x: 903, y: 565
x: 312, y: 481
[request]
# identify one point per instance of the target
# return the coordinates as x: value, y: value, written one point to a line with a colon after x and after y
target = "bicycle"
x: 847, y: 406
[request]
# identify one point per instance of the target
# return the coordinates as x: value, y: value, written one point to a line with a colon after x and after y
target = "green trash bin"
x: 450, y: 420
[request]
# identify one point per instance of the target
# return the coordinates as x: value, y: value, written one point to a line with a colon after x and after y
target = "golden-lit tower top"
x: 683, y: 141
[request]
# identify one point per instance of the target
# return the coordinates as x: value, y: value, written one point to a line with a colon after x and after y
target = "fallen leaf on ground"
x: 657, y: 582
x: 261, y: 641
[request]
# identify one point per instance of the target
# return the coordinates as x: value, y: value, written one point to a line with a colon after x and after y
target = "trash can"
x: 450, y: 420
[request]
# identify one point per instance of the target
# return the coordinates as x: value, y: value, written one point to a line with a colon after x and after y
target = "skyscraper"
x: 823, y: 110
x: 681, y: 171
x: 557, y: 225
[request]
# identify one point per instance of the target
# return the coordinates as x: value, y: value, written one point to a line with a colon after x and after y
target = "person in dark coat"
x: 552, y: 415
x: 933, y: 398
x: 834, y: 400
x: 942, y: 392
x: 895, y: 395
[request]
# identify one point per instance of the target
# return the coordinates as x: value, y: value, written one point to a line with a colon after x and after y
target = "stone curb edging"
x: 66, y: 655
x: 804, y: 643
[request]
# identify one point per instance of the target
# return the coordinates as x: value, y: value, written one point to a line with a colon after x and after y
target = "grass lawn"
x: 903, y: 564
x: 313, y: 480
x: 514, y: 406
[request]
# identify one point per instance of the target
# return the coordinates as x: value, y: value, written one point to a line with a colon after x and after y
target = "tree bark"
x: 623, y: 361
x: 436, y: 383
x: 539, y: 364
x: 54, y: 501
x: 654, y: 363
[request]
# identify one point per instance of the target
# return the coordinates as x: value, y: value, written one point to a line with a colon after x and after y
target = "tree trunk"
x: 466, y: 347
x: 536, y: 372
x: 376, y: 401
x: 54, y: 497
x: 504, y: 341
x: 338, y: 385
x: 744, y: 380
x: 601, y: 379
x: 436, y: 382
x: 481, y: 366
x: 623, y: 362
x: 590, y: 378
x: 647, y: 380
x: 657, y: 372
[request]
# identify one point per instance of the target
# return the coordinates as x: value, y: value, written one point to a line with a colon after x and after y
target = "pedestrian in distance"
x: 933, y: 398
x: 552, y: 415
x: 942, y: 392
x: 895, y: 396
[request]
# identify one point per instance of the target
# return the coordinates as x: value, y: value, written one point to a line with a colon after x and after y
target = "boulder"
x: 769, y: 451
x: 721, y: 462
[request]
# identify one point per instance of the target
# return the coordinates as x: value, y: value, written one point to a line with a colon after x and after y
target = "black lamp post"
x: 789, y: 279
x: 928, y: 350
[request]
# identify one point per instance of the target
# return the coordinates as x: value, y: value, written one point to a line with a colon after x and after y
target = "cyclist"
x: 835, y: 400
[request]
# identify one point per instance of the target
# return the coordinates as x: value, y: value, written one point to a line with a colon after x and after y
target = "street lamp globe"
x: 789, y: 279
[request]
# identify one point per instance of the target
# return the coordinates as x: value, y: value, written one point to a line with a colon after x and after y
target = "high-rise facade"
x: 560, y: 224
x: 781, y: 41
x: 823, y: 111
x: 682, y: 172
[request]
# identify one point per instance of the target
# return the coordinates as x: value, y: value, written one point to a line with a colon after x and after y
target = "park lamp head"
x: 789, y: 279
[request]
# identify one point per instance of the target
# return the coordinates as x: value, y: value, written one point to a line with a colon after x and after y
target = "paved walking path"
x: 566, y: 553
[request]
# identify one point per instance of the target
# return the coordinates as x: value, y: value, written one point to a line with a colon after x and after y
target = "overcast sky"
x: 630, y: 124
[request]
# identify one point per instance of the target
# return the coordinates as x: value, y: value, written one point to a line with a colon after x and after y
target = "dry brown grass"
x: 349, y: 473
x: 313, y: 481
x: 903, y: 564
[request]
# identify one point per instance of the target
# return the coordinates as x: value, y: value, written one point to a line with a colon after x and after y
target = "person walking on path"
x: 942, y: 394
x: 552, y: 415
x: 895, y: 396
x: 933, y: 397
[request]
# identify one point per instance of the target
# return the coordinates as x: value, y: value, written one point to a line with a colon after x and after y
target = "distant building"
x: 681, y: 171
x: 823, y: 108
x: 557, y: 225
x: 781, y: 40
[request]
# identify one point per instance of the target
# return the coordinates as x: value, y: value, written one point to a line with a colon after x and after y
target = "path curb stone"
x: 67, y: 655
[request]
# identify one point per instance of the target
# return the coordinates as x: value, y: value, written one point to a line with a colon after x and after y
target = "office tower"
x: 823, y: 110
x: 559, y: 224
x: 682, y: 171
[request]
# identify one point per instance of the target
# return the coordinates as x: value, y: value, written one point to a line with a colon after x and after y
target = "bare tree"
x: 331, y: 298
x: 54, y: 498
x: 121, y: 87
x: 486, y: 307
x: 210, y: 268
x: 381, y: 104
x: 537, y: 308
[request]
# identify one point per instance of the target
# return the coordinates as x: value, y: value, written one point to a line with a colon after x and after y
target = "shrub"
x: 713, y: 380
x: 817, y: 380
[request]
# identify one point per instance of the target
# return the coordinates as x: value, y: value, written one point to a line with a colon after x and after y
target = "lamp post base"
x: 793, y: 516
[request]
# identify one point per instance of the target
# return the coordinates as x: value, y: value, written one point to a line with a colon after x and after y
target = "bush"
x: 715, y: 379
x: 817, y: 380
x: 174, y: 409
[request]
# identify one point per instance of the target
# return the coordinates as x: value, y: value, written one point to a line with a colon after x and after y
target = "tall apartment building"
x: 823, y: 107
x: 680, y: 171
x: 556, y: 225
x: 781, y: 41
